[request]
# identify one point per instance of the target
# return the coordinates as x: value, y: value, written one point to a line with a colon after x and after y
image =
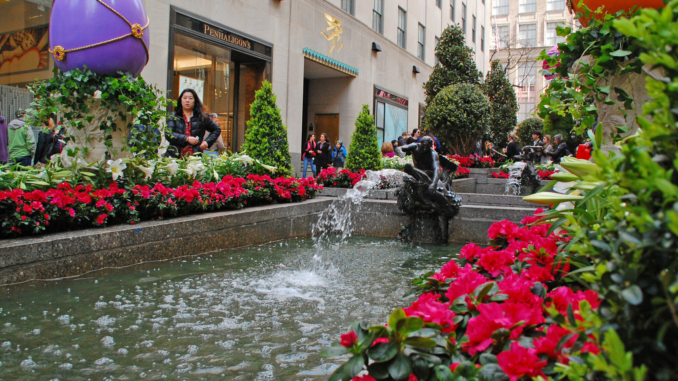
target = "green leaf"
x: 481, y: 291
x: 620, y: 53
x: 382, y: 352
x: 444, y: 373
x: 421, y: 342
x: 633, y: 295
x: 410, y: 324
x: 354, y: 366
x: 400, y: 367
x: 395, y: 317
x: 570, y: 315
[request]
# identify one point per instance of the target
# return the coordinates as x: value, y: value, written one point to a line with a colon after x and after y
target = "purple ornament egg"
x: 78, y: 24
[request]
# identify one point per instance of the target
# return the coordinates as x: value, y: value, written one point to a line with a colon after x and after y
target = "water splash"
x: 513, y: 183
x: 335, y: 224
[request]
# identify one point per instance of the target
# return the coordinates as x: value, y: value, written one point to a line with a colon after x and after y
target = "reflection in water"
x: 255, y: 313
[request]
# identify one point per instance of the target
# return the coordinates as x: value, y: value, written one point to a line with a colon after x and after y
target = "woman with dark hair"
x: 513, y: 148
x: 560, y: 151
x: 547, y: 148
x: 309, y: 154
x: 324, y: 153
x: 50, y: 142
x: 188, y: 125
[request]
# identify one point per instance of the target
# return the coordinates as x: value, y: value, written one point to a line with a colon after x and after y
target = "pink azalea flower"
x: 519, y: 362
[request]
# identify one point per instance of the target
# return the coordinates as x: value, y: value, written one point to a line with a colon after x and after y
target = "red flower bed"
x: 504, y: 307
x: 68, y: 208
x: 473, y: 161
x: 545, y: 175
x: 462, y: 173
x: 500, y: 175
x: 344, y: 178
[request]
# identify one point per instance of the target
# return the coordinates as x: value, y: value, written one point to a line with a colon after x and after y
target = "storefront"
x: 390, y: 115
x: 225, y: 67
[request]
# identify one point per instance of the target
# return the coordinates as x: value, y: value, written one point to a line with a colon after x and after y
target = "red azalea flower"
x: 494, y: 261
x: 564, y: 296
x: 364, y: 378
x: 101, y: 219
x: 71, y: 212
x: 431, y: 310
x: 467, y: 281
x: 519, y: 362
x: 504, y: 229
x: 23, y: 218
x: 412, y: 377
x: 547, y: 345
x: 348, y: 339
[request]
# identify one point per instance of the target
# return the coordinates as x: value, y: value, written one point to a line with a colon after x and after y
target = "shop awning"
x: 330, y: 62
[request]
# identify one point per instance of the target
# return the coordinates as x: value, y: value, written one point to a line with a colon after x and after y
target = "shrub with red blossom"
x: 473, y: 161
x: 502, y: 312
x: 333, y: 178
x: 500, y: 175
x: 69, y: 208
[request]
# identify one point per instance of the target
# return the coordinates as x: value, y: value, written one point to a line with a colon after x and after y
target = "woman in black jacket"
x: 513, y: 148
x: 324, y: 153
x: 188, y: 125
x: 560, y: 151
x: 309, y: 154
x: 50, y: 142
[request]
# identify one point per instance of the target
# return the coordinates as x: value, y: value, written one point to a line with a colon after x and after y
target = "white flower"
x: 172, y: 167
x: 244, y: 159
x: 270, y: 168
x: 115, y: 168
x: 148, y: 171
x: 194, y: 168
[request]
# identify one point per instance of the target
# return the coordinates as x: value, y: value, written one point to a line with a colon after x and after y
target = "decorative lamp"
x: 106, y: 36
x: 376, y: 47
x: 415, y: 70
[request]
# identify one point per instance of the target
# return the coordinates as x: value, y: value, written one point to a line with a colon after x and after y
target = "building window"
x: 463, y: 17
x: 528, y: 35
x: 422, y: 36
x: 439, y: 3
x: 527, y: 6
x: 402, y: 27
x: 436, y: 47
x: 500, y: 8
x: 473, y: 30
x: 555, y: 5
x: 482, y: 39
x: 527, y: 74
x: 551, y: 37
x: 348, y: 6
x: 378, y: 16
x: 501, y: 36
x: 452, y: 9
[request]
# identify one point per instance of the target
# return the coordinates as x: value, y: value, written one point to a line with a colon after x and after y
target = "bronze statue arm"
x: 409, y: 147
x: 436, y: 171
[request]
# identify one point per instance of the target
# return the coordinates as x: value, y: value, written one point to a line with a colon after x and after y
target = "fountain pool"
x: 256, y: 313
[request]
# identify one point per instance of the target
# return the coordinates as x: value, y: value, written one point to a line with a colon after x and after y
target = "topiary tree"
x: 364, y: 152
x: 456, y: 63
x: 503, y: 102
x: 266, y: 136
x: 459, y: 116
x: 525, y: 129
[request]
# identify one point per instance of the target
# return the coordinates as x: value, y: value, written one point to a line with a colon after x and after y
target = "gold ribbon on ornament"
x: 137, y: 31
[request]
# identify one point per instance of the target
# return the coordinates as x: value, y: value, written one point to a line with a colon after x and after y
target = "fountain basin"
x: 255, y: 313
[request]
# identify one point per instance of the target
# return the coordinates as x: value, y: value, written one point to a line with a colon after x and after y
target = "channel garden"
x: 583, y: 288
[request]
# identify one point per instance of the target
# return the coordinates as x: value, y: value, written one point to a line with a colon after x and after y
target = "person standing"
x: 4, y: 141
x: 512, y: 149
x: 415, y: 137
x: 309, y: 154
x: 50, y: 142
x: 547, y: 149
x: 537, y: 142
x: 561, y: 149
x: 396, y: 148
x: 339, y: 155
x: 323, y: 151
x: 188, y: 125
x: 219, y: 144
x: 21, y: 140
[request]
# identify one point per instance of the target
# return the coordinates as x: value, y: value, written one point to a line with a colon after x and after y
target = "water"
x: 513, y: 183
x: 257, y: 313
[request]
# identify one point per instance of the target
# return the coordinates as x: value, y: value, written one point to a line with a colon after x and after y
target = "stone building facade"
x: 521, y: 30
x: 324, y: 58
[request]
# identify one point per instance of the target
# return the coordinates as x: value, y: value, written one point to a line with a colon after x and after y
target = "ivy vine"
x: 69, y: 95
x: 579, y: 84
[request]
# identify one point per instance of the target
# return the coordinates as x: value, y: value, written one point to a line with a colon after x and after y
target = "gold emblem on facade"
x: 335, y: 29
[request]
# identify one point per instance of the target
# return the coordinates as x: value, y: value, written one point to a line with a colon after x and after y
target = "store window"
x: 224, y: 77
x: 390, y: 116
x: 24, y: 41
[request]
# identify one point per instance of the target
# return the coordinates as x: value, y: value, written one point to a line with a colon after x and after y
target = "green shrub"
x: 459, y: 116
x: 364, y: 152
x: 502, y: 98
x: 457, y: 63
x: 266, y: 136
x: 525, y: 129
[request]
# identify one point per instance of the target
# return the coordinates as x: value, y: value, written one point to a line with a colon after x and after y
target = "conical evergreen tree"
x: 456, y: 63
x: 364, y: 152
x: 504, y: 105
x: 266, y: 136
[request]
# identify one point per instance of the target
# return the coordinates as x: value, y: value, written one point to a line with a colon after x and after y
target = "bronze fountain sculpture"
x: 427, y: 195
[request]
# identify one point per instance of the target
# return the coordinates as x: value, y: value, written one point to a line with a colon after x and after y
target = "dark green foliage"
x: 459, y: 116
x: 504, y: 105
x: 364, y: 152
x: 266, y: 136
x: 456, y: 63
x: 555, y: 124
x: 525, y: 129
